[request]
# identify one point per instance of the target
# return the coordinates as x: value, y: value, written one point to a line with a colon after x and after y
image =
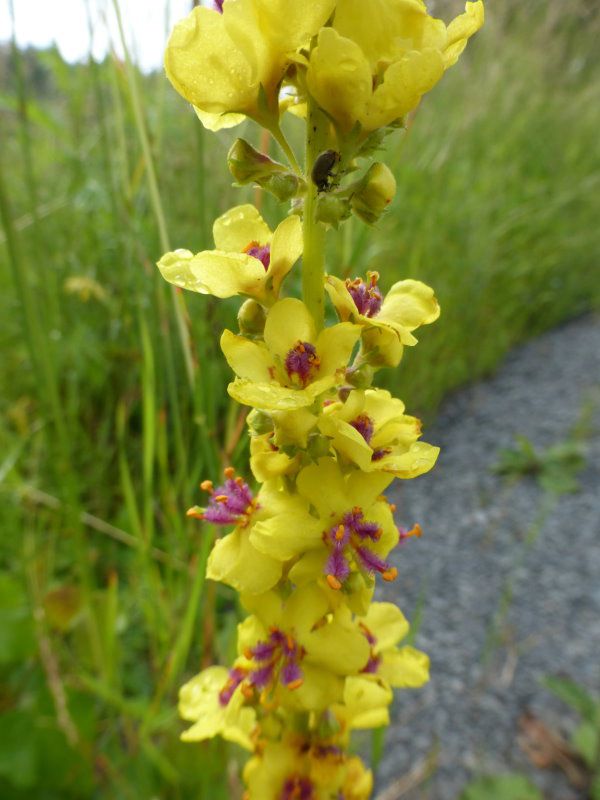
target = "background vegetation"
x: 113, y: 391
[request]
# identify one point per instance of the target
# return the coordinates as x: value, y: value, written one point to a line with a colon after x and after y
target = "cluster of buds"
x: 316, y: 657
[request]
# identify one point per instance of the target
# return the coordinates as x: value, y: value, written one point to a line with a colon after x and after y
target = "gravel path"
x: 482, y: 535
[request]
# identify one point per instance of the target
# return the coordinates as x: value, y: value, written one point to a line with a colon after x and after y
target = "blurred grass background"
x: 113, y: 389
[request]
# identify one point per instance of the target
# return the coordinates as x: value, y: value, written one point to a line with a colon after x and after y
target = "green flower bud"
x: 374, y: 193
x: 332, y: 210
x: 259, y: 423
x: 360, y: 377
x: 251, y: 318
x: 284, y: 186
x: 248, y: 165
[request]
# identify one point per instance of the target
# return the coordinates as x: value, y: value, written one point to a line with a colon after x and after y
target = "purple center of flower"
x: 232, y: 503
x: 236, y: 676
x: 297, y: 788
x: 218, y: 5
x: 261, y: 252
x: 364, y: 425
x: 278, y: 661
x: 348, y: 542
x: 367, y: 297
x: 302, y: 361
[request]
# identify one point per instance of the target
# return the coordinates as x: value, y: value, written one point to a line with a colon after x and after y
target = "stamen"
x: 367, y: 297
x: 195, y: 512
x: 261, y: 252
x: 390, y: 575
x: 333, y: 582
x: 404, y: 534
x: 365, y: 426
x: 231, y: 503
x: 302, y: 361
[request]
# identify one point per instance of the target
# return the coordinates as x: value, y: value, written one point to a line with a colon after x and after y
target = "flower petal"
x: 269, y: 396
x: 461, y: 29
x: 288, y: 322
x: 214, y: 272
x: 334, y: 347
x: 387, y: 623
x: 207, y: 67
x: 286, y: 249
x: 235, y: 229
x: 339, y: 77
x: 235, y: 561
x: 250, y: 360
x: 405, y: 668
x: 410, y: 304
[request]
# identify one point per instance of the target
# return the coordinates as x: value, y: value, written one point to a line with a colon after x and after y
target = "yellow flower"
x: 371, y: 430
x: 249, y: 260
x: 293, y: 366
x: 298, y: 651
x: 213, y: 700
x: 231, y: 64
x: 299, y: 767
x: 388, y: 322
x: 347, y: 540
x: 373, y: 66
x: 233, y: 559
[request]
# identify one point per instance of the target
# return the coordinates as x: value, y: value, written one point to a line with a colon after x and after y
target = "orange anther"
x: 221, y: 498
x: 247, y: 691
x: 295, y: 684
x: 339, y: 534
x: 378, y: 534
x: 248, y: 653
x: 393, y: 507
x: 415, y: 531
x: 333, y: 582
x: 357, y: 510
x: 300, y: 347
x: 290, y: 642
x: 229, y: 472
x: 207, y: 486
x: 250, y: 245
x: 390, y: 575
x: 196, y: 512
x: 239, y: 480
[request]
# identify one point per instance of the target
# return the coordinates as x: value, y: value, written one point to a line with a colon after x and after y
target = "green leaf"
x: 501, y: 787
x: 586, y: 740
x: 595, y: 788
x: 573, y: 695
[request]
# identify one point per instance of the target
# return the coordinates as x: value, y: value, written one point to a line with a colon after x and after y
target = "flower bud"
x: 374, y: 193
x: 248, y: 165
x: 251, y: 318
x: 259, y: 423
x: 360, y: 377
x: 283, y: 185
x: 332, y: 210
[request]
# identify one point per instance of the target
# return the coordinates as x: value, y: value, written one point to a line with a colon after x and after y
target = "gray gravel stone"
x: 486, y: 664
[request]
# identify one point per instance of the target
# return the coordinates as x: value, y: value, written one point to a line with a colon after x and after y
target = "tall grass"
x: 114, y: 402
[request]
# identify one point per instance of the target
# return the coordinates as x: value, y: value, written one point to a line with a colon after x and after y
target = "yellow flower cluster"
x: 316, y: 657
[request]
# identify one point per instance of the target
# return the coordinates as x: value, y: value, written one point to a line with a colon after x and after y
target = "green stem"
x: 279, y: 137
x: 313, y: 232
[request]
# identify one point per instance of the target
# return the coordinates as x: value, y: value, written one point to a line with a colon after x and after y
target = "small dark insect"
x: 322, y: 171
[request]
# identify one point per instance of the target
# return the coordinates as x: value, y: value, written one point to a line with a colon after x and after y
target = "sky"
x: 65, y: 22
